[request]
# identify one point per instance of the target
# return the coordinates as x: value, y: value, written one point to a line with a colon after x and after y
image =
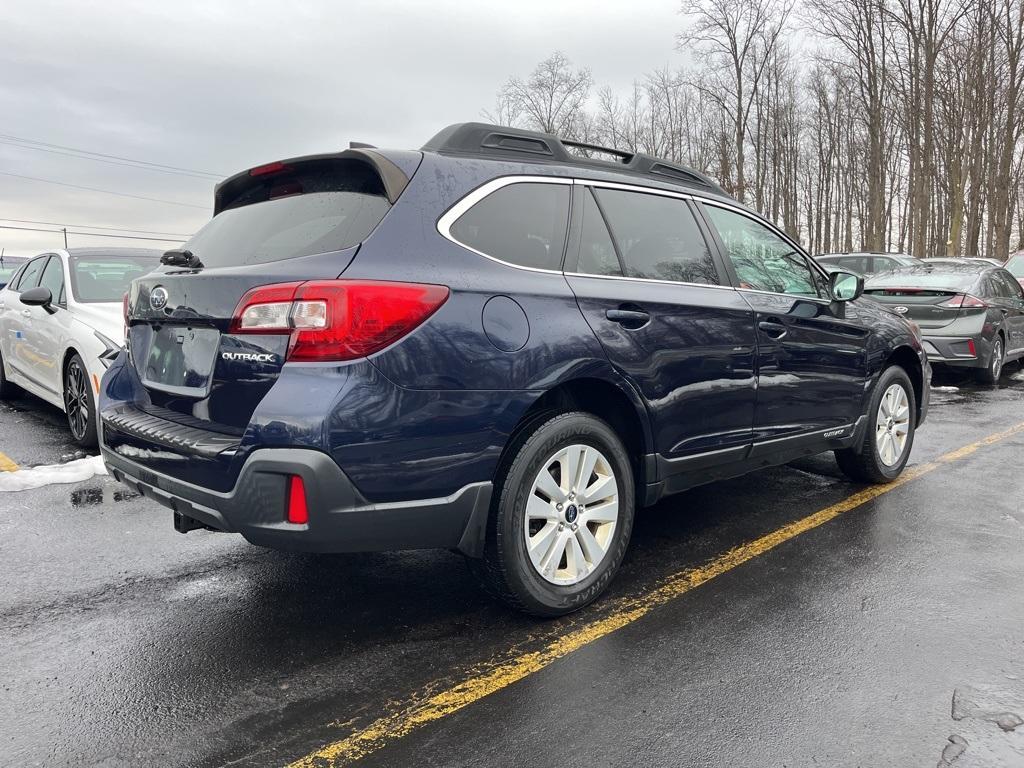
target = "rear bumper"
x: 953, y: 350
x: 340, y: 518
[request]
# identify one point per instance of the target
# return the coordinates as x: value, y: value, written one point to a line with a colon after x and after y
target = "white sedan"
x: 62, y: 322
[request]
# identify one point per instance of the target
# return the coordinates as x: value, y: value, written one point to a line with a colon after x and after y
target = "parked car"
x: 8, y: 266
x: 961, y: 259
x: 492, y: 345
x: 61, y: 325
x: 971, y: 313
x: 865, y: 263
x: 1015, y: 266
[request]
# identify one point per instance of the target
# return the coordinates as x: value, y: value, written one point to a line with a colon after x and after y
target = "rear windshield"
x: 920, y: 277
x: 328, y: 207
x: 102, y: 279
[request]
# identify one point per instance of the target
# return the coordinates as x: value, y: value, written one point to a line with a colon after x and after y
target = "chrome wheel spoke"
x: 571, y: 514
x: 892, y: 424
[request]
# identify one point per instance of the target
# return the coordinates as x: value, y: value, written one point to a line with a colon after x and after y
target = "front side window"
x: 53, y: 278
x: 522, y: 223
x: 657, y: 237
x: 763, y: 261
x: 30, y: 277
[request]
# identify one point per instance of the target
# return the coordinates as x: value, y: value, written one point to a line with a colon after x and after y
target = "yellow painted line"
x: 428, y: 707
x: 7, y: 464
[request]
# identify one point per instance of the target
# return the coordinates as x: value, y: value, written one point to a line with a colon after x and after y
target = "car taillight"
x: 963, y: 301
x: 331, y: 320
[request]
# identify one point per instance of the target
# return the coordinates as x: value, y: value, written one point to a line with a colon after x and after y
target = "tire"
x: 992, y: 372
x: 8, y: 390
x: 79, y: 403
x: 591, y: 551
x: 865, y: 462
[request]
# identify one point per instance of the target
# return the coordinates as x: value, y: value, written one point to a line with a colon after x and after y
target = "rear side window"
x: 30, y: 277
x: 1009, y: 287
x: 657, y: 237
x: 523, y: 223
x: 315, y: 207
x: 858, y: 264
x: 597, y: 253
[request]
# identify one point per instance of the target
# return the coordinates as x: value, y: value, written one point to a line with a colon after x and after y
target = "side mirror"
x: 39, y: 297
x: 845, y: 286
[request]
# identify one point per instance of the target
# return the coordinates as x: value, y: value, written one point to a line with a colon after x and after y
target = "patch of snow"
x: 945, y: 389
x: 49, y: 474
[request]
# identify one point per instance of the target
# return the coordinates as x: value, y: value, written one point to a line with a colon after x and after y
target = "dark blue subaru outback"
x: 495, y: 344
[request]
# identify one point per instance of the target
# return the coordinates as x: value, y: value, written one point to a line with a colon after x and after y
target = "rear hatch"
x: 931, y: 298
x: 284, y: 223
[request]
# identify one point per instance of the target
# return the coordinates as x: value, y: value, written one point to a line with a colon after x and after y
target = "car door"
x: 811, y: 352
x: 17, y: 319
x: 655, y: 294
x: 48, y: 327
x: 1009, y: 298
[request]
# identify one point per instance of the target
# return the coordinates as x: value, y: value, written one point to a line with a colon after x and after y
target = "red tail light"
x: 963, y: 301
x: 337, y: 319
x: 269, y: 168
x: 298, y: 512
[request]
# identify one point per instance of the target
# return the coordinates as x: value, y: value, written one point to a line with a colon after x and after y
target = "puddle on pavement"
x: 99, y: 495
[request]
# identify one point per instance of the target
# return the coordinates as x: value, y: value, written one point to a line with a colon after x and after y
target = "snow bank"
x: 50, y: 474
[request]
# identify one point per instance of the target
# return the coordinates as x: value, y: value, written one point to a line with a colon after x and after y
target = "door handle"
x: 629, y: 318
x: 772, y: 328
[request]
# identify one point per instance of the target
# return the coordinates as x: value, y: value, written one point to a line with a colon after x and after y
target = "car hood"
x: 105, y: 318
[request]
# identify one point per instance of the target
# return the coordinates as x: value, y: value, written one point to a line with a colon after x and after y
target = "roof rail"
x: 503, y: 142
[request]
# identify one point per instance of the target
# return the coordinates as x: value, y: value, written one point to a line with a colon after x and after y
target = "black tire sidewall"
x: 89, y: 440
x: 537, y: 595
x: 892, y: 375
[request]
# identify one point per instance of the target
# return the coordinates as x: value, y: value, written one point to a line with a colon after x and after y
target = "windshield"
x: 102, y: 279
x: 7, y: 272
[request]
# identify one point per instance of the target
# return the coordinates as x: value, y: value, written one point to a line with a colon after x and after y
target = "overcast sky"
x: 219, y: 87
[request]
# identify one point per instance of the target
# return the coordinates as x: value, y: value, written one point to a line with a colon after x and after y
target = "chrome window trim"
x: 632, y: 188
x: 453, y: 214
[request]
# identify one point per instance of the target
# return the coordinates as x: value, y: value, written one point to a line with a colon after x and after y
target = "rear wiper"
x: 181, y: 258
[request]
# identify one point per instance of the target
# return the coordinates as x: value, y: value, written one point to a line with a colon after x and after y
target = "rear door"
x: 1009, y: 298
x: 811, y: 353
x: 651, y: 288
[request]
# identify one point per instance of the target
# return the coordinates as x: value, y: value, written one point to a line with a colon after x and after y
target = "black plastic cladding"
x: 501, y: 142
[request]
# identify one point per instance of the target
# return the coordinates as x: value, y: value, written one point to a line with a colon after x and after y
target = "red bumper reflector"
x: 298, y: 513
x: 971, y: 349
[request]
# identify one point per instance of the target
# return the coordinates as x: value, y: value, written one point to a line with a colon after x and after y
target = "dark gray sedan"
x: 971, y: 314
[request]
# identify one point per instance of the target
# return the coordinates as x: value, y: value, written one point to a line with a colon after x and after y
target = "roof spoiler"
x: 392, y: 177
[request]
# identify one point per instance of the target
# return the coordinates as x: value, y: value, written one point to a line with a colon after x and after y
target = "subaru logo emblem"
x: 901, y: 310
x: 158, y: 298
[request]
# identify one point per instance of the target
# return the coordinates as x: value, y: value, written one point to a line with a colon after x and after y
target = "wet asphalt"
x: 890, y: 636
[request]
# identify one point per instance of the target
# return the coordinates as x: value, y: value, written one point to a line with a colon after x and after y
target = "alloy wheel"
x: 76, y: 400
x: 571, y: 514
x: 997, y: 359
x: 892, y: 425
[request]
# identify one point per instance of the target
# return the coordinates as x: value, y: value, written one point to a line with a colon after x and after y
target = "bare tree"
x: 551, y: 99
x: 735, y: 39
